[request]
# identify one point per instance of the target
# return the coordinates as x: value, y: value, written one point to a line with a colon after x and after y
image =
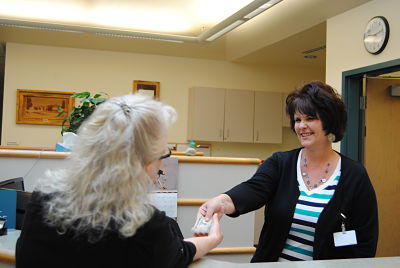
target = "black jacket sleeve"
x: 259, y: 189
x: 173, y: 250
x: 364, y: 219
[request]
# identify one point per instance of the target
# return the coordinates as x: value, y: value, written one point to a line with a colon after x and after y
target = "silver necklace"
x: 308, y: 179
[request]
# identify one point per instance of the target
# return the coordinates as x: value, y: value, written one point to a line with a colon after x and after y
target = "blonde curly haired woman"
x: 97, y: 212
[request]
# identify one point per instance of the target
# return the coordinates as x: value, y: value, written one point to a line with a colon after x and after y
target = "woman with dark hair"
x: 318, y: 203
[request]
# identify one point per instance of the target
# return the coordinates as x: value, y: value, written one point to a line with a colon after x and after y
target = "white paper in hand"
x: 202, y: 226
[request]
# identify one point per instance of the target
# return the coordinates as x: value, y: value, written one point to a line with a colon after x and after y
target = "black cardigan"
x: 275, y: 185
x: 158, y: 243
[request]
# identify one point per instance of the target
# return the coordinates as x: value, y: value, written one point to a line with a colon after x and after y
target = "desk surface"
x: 7, y: 244
x: 7, y: 249
x: 387, y: 262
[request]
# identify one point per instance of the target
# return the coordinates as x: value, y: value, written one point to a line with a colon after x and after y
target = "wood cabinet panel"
x: 268, y: 117
x: 239, y: 116
x: 285, y: 118
x: 206, y: 114
x: 232, y: 115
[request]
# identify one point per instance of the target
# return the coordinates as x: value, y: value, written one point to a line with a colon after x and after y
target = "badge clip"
x: 343, y: 225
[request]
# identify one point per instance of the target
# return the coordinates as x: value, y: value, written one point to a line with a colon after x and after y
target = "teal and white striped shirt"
x: 300, y: 241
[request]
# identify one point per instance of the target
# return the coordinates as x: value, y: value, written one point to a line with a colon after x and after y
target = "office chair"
x: 22, y: 201
x: 14, y: 184
x: 23, y: 198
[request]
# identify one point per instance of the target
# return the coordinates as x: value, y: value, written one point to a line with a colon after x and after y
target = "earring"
x: 331, y: 137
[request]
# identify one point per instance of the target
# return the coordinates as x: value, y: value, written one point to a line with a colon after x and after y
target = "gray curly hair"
x: 106, y: 187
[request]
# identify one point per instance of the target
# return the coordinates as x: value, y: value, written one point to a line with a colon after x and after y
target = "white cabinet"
x: 206, y: 114
x: 268, y: 117
x: 229, y: 115
x: 239, y: 114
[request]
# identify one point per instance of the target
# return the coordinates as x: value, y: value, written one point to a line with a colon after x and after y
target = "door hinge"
x: 363, y: 102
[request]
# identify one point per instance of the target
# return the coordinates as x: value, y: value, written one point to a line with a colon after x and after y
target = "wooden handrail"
x: 219, y: 160
x: 191, y: 201
x: 27, y: 148
x: 33, y: 154
x: 183, y: 153
x: 233, y: 250
x: 181, y: 159
x: 7, y: 258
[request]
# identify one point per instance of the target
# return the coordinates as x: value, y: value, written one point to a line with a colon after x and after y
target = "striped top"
x: 300, y: 241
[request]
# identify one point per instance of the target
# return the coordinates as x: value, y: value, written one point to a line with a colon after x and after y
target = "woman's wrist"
x: 227, y: 204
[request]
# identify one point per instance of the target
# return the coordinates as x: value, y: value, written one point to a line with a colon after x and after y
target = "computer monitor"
x: 14, y: 184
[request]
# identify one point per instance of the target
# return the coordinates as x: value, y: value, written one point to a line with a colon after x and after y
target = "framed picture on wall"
x: 40, y: 107
x: 147, y: 88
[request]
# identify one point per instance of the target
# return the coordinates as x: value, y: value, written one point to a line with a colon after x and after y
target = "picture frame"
x: 40, y: 107
x: 147, y: 88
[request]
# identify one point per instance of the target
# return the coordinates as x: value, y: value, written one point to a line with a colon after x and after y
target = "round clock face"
x: 376, y: 35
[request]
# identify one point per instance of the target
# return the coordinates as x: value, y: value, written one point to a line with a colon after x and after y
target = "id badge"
x: 346, y: 238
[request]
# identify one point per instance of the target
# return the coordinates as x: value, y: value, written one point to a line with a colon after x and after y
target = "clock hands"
x: 374, y: 34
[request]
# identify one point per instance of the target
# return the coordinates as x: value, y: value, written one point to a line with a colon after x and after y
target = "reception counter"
x: 199, y: 178
x: 388, y: 262
x: 7, y: 259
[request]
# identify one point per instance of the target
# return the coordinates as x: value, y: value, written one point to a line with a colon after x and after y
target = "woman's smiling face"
x: 309, y: 130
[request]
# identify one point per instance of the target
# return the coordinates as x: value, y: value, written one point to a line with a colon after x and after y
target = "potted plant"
x: 79, y: 113
x: 72, y: 122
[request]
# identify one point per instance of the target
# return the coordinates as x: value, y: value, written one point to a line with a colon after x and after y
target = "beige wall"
x: 345, y: 48
x: 344, y: 42
x: 70, y: 69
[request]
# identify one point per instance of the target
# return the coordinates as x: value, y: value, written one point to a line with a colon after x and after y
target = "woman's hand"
x: 205, y: 243
x: 222, y: 204
x: 215, y: 231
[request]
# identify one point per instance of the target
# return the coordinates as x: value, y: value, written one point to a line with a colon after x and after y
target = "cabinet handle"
x: 227, y: 133
x: 220, y: 133
x: 257, y: 135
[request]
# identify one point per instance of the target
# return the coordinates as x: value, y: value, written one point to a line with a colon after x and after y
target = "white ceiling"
x: 280, y: 35
x: 174, y: 17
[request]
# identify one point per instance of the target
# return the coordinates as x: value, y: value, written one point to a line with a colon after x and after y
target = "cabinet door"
x: 239, y: 116
x: 206, y: 114
x: 268, y: 117
x: 285, y: 117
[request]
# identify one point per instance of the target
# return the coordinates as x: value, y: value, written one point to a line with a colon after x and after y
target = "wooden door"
x: 239, y: 115
x: 382, y: 160
x: 206, y: 114
x: 268, y: 117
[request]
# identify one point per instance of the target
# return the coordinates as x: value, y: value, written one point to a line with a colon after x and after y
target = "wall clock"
x: 376, y: 35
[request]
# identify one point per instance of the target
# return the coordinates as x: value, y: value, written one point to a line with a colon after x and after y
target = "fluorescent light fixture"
x: 266, y: 6
x: 138, y: 37
x: 251, y: 10
x: 248, y: 12
x: 225, y: 30
x: 40, y: 28
x: 96, y: 31
x: 254, y: 13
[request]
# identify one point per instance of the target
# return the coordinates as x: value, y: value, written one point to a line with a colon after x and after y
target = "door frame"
x: 352, y: 86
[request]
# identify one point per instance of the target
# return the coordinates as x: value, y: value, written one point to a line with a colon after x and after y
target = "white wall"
x: 71, y: 69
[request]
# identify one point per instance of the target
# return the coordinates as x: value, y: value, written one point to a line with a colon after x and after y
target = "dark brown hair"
x: 320, y: 100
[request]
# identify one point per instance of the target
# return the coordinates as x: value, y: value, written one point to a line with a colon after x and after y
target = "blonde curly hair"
x: 105, y: 187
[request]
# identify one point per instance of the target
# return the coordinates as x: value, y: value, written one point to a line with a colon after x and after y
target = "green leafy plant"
x: 79, y: 113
